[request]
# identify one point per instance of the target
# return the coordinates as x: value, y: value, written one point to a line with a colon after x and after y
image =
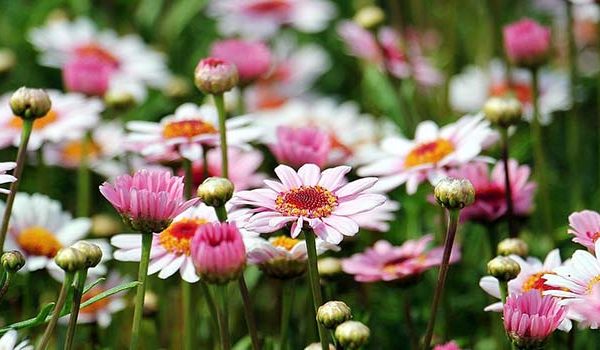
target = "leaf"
x: 39, y: 319
x: 93, y: 284
x: 110, y: 292
x: 380, y: 92
x: 179, y: 16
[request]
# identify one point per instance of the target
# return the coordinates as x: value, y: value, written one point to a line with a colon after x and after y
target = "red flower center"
x: 307, y: 201
x: 521, y: 91
x: 429, y: 153
x: 266, y: 7
x: 536, y: 282
x: 97, y: 52
x: 178, y: 236
x: 187, y: 128
x: 492, y: 193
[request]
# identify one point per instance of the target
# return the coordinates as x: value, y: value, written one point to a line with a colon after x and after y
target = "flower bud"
x: 453, y: 193
x: 12, y: 261
x: 70, y: 259
x: 215, y: 191
x: 215, y: 76
x: 177, y: 88
x: 333, y: 313
x: 7, y: 60
x: 503, y: 268
x: 369, y: 16
x: 352, y: 334
x: 119, y: 99
x: 91, y: 252
x: 105, y: 225
x: 283, y: 269
x: 527, y: 43
x: 150, y: 304
x: 503, y: 111
x: 514, y: 246
x: 30, y: 103
x: 329, y: 267
x: 317, y: 346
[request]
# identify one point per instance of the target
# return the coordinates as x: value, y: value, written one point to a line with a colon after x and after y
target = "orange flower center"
x: 98, y: 52
x: 178, y: 236
x: 429, y: 153
x: 536, y: 282
x: 73, y: 151
x: 284, y: 242
x: 38, y: 124
x: 38, y: 241
x: 187, y: 128
x: 521, y: 91
x: 307, y: 201
x: 97, y: 306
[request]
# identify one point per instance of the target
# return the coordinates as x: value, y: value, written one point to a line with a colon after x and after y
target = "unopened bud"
x: 7, y: 60
x: 119, y: 99
x: 329, y: 267
x: 510, y: 246
x: 215, y: 76
x: 453, y: 193
x: 12, y: 261
x: 369, y: 16
x: 503, y: 268
x: 91, y: 252
x: 70, y: 259
x: 215, y: 191
x: 150, y: 304
x: 177, y: 88
x: 503, y: 111
x: 333, y: 313
x: 105, y: 225
x: 352, y: 334
x: 317, y: 346
x: 30, y: 103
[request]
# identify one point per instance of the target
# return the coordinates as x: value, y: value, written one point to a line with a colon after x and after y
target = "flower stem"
x: 512, y: 230
x: 450, y: 234
x: 220, y: 103
x: 60, y: 302
x: 248, y: 313
x: 77, y: 294
x: 21, y: 158
x: 84, y: 178
x: 188, y: 179
x: 540, y: 166
x: 224, y: 319
x: 313, y: 273
x: 186, y: 304
x: 204, y: 162
x: 410, y: 327
x: 287, y: 296
x: 503, y: 291
x: 212, y: 306
x: 141, y: 290
x: 4, y: 283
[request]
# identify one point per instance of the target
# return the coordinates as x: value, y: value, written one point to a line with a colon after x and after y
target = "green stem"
x: 287, y: 297
x: 60, y: 302
x: 204, y: 162
x: 220, y: 103
x: 4, y: 283
x: 248, y: 313
x: 503, y: 291
x: 186, y: 298
x: 512, y: 229
x: 141, y: 290
x: 84, y: 181
x: 18, y: 172
x: 450, y: 234
x: 313, y: 273
x: 540, y: 163
x: 221, y: 213
x: 77, y: 293
x: 189, y: 178
x: 224, y: 319
x: 410, y: 327
x: 212, y: 306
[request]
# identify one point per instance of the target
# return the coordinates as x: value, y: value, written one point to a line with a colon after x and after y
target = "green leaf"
x: 379, y: 91
x: 179, y: 16
x: 93, y: 284
x: 110, y: 292
x: 39, y: 319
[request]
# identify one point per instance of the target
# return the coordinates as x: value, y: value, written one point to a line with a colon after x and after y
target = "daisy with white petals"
x: 321, y: 200
x: 9, y: 342
x: 4, y: 177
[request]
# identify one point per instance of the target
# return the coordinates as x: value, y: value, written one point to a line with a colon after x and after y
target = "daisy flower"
x: 123, y: 63
x: 377, y: 219
x: 263, y: 18
x: 322, y: 200
x: 588, y: 308
x: 385, y: 262
x: 585, y: 226
x: 9, y: 342
x: 187, y: 130
x: 469, y: 90
x: 452, y: 345
x: 490, y: 191
x: 433, y: 151
x: 39, y: 228
x: 71, y: 114
x: 4, y: 177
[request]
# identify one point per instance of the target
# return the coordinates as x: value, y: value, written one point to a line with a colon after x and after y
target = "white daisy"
x: 39, y: 228
x: 71, y: 115
x: 4, y: 177
x: 9, y: 342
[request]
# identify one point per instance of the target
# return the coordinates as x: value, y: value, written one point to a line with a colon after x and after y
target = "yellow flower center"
x: 284, y: 242
x: 178, y: 236
x: 38, y: 124
x: 187, y: 128
x: 591, y: 284
x: 39, y: 241
x: 307, y: 201
x: 97, y: 306
x: 429, y: 153
x: 73, y: 151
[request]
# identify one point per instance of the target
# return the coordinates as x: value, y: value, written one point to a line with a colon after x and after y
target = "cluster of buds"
x: 503, y: 111
x: 336, y: 315
x: 81, y: 255
x: 30, y: 104
x: 454, y: 194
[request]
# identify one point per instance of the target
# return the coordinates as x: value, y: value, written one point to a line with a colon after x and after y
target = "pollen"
x: 178, y: 236
x: 429, y: 153
x: 284, y: 242
x: 38, y: 124
x: 187, y: 128
x: 307, y: 201
x: 39, y: 241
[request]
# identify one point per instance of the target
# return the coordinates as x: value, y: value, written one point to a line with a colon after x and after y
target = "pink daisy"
x: 252, y: 59
x: 322, y: 200
x: 431, y: 154
x: 377, y: 219
x: 588, y: 309
x: 298, y: 146
x: 4, y: 177
x: 585, y: 226
x: 384, y: 262
x: 490, y: 200
x: 448, y: 346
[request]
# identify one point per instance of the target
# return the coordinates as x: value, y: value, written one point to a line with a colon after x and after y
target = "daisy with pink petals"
x: 149, y: 200
x: 448, y: 346
x: 588, y: 309
x: 490, y: 190
x: 321, y: 200
x: 385, y: 262
x: 298, y: 146
x: 431, y: 154
x: 530, y: 318
x: 187, y: 131
x: 377, y: 219
x: 251, y: 58
x: 4, y: 177
x: 585, y: 226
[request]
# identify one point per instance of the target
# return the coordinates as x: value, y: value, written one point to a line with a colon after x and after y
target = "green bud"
x: 333, y: 313
x: 503, y: 268
x: 215, y: 191
x: 453, y: 193
x: 91, y: 252
x: 30, y: 103
x: 12, y: 261
x: 513, y: 246
x: 70, y: 259
x: 352, y: 334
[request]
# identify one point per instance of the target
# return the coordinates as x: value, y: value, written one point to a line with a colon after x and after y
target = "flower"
x: 530, y: 318
x: 588, y: 308
x: 31, y: 104
x: 453, y: 194
x: 377, y: 218
x: 215, y: 76
x: 490, y: 190
x: 469, y: 90
x: 263, y: 18
x: 101, y: 311
x: 319, y: 199
x: 526, y: 43
x: 149, y: 200
x: 405, y: 263
x: 71, y: 114
x: 186, y: 131
x: 218, y: 252
x: 252, y: 59
x: 448, y: 346
x: 95, y: 61
x: 39, y: 228
x: 299, y: 146
x: 9, y: 342
x: 585, y: 226
x: 4, y: 177
x: 429, y: 156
